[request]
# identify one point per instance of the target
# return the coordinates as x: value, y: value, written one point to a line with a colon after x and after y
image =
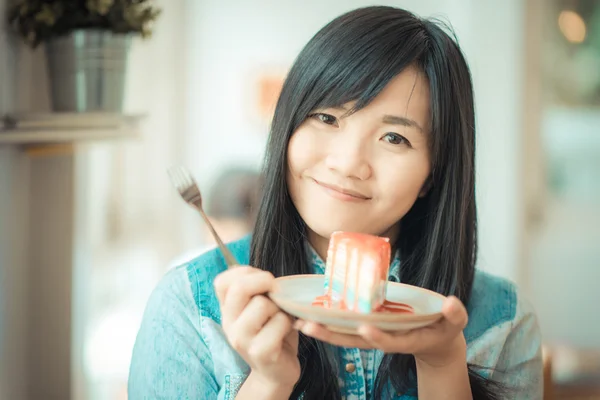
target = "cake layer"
x: 356, y: 271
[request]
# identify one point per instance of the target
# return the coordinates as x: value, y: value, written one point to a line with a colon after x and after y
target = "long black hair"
x: 352, y: 59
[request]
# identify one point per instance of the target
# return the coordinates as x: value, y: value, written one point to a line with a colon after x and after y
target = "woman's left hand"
x: 437, y: 345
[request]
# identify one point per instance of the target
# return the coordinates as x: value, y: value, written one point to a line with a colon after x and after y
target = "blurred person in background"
x: 233, y: 203
x: 374, y: 132
x: 231, y: 206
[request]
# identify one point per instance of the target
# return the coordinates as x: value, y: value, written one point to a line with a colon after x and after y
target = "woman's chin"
x: 324, y: 230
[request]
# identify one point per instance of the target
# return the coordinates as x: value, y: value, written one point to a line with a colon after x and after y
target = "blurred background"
x: 87, y: 230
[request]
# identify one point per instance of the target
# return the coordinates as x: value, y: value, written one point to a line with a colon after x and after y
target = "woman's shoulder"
x: 504, y: 336
x: 187, y: 288
x: 494, y: 302
x: 173, y: 352
x: 200, y: 273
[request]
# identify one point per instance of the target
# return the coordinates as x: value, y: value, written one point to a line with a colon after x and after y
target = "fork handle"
x: 229, y: 257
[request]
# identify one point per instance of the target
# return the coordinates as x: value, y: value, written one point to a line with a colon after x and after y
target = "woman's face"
x: 362, y: 172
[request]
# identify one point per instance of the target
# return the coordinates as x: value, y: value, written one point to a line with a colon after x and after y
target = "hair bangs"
x: 339, y: 74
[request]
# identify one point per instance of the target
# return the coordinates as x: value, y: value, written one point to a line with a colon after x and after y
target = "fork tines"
x: 185, y: 184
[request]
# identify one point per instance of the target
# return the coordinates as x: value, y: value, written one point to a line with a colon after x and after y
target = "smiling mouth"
x: 350, y: 194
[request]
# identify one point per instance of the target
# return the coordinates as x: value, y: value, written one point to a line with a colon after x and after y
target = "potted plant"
x: 87, y: 44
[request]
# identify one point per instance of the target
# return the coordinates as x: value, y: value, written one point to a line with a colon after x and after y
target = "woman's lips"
x: 341, y: 193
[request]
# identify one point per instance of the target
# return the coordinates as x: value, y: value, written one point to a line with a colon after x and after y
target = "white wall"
x: 231, y: 40
x: 495, y: 51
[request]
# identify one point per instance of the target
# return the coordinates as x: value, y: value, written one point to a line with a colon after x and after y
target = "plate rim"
x: 352, y: 315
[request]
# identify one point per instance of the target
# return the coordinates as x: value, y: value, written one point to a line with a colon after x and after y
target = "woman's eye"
x: 325, y: 118
x: 394, y: 138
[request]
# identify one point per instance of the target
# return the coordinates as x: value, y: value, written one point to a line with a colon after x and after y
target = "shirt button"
x: 350, y: 367
x: 392, y: 278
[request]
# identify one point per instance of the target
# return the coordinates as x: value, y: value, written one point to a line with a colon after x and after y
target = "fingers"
x: 454, y: 320
x: 415, y: 341
x: 235, y: 289
x: 267, y: 344
x: 252, y: 319
x: 255, y: 326
x: 292, y: 340
x: 224, y: 280
x: 408, y: 342
x: 323, y: 334
x: 455, y: 313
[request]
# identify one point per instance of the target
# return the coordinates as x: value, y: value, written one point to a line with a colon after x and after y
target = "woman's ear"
x: 426, y: 187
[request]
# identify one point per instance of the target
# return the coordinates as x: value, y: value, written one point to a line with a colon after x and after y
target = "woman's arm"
x: 170, y: 358
x: 445, y: 382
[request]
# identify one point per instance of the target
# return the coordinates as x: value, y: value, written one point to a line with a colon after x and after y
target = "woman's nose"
x: 349, y: 159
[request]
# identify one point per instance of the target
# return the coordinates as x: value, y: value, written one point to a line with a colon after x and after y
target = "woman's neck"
x: 318, y: 243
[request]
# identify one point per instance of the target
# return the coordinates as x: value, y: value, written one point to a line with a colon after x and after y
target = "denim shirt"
x: 181, y: 351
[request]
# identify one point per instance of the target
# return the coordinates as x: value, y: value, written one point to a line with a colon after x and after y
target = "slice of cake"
x: 356, y: 272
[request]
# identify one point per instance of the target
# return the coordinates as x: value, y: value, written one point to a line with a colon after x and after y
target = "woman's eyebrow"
x: 390, y: 119
x: 396, y: 120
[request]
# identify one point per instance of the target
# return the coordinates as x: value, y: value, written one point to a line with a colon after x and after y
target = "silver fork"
x: 188, y: 189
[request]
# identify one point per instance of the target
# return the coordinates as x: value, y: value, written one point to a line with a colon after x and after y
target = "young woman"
x: 374, y: 132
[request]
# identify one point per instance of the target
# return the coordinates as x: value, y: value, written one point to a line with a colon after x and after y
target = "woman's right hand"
x: 256, y: 328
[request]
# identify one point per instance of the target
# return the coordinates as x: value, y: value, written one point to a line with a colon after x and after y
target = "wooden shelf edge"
x: 40, y: 137
x: 42, y: 129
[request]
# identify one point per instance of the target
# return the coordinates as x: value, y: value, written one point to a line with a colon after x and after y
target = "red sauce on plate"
x: 387, y: 307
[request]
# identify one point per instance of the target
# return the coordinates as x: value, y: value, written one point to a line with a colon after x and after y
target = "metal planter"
x: 87, y: 71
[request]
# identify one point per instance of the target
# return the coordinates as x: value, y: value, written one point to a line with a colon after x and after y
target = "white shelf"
x: 23, y: 137
x: 43, y: 129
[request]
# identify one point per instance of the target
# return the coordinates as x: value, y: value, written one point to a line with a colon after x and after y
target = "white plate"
x: 295, y: 294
